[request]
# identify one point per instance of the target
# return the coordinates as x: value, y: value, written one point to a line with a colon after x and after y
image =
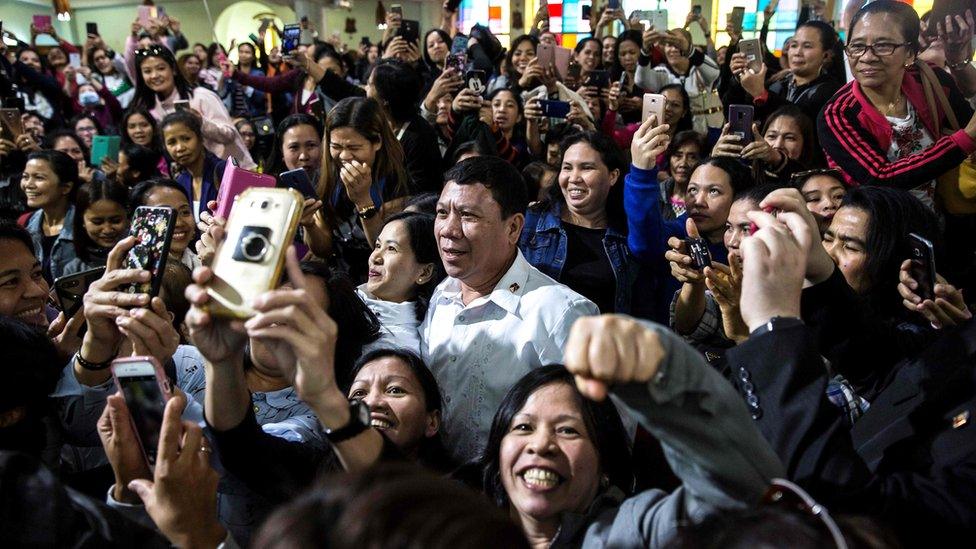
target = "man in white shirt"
x: 495, y: 317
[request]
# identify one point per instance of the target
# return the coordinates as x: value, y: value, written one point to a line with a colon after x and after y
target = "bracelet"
x: 93, y: 366
x: 959, y: 65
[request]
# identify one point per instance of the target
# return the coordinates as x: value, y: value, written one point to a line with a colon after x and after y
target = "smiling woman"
x: 101, y: 221
x: 49, y: 182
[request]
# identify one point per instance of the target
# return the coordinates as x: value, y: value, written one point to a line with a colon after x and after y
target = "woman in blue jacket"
x: 578, y: 234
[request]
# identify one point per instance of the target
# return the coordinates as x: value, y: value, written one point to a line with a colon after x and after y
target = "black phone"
x: 740, y: 122
x: 298, y: 179
x: 153, y: 229
x: 698, y: 250
x: 613, y: 4
x: 91, y: 29
x: 396, y: 9
x: 554, y: 109
x: 586, y: 12
x: 364, y: 41
x: 71, y: 289
x: 290, y: 37
x: 599, y: 79
x: 410, y: 31
x: 923, y: 265
x: 476, y: 81
x: 696, y: 11
x: 452, y: 5
x: 145, y: 389
x: 456, y: 61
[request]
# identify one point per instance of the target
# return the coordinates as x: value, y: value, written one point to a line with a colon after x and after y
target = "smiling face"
x: 347, y: 144
x: 589, y: 57
x: 394, y: 273
x: 521, y: 56
x: 23, y: 290
x: 158, y: 76
x: 785, y: 134
x: 585, y: 180
x: 474, y: 241
x: 182, y: 144
x: 41, y: 185
x: 708, y: 198
x: 823, y: 194
x: 737, y: 226
x: 185, y: 228
x: 301, y: 148
x: 683, y: 162
x: 870, y: 70
x: 70, y: 147
x: 806, y: 54
x: 106, y: 223
x: 436, y: 48
x: 548, y: 462
x: 505, y: 111
x: 102, y: 62
x: 140, y: 130
x: 396, y: 403
x: 846, y: 243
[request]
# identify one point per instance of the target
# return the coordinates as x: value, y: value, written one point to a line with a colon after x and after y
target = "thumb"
x: 692, y: 228
x: 142, y: 488
x: 592, y: 388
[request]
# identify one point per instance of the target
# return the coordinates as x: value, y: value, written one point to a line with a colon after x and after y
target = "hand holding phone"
x: 740, y: 123
x: 922, y: 266
x: 654, y: 104
x: 145, y: 389
x: 234, y: 182
x: 10, y: 121
x: 698, y: 251
x: 70, y: 289
x: 298, y: 179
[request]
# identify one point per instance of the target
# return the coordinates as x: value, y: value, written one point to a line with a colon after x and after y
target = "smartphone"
x: 598, y: 79
x: 12, y: 125
x: 74, y: 60
x: 71, y: 289
x: 736, y: 17
x: 145, y: 14
x: 457, y: 61
x: 752, y: 49
x: 696, y: 10
x: 575, y: 71
x: 452, y: 5
x: 410, y: 31
x: 249, y: 261
x: 923, y: 265
x: 290, y: 35
x: 554, y: 109
x: 255, y: 39
x: 145, y: 388
x: 298, y: 179
x: 153, y: 229
x: 563, y: 57
x: 943, y: 8
x: 623, y: 80
x: 183, y: 105
x: 396, y: 9
x: 476, y: 81
x: 105, y: 146
x: 91, y: 29
x: 546, y: 55
x: 653, y: 104
x: 459, y: 44
x: 42, y: 22
x: 698, y: 250
x: 586, y: 12
x: 613, y: 4
x: 740, y: 122
x: 234, y: 182
x: 659, y: 20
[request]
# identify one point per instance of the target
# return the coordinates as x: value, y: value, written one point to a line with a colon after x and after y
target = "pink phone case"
x: 563, y: 55
x: 161, y: 379
x: 234, y: 182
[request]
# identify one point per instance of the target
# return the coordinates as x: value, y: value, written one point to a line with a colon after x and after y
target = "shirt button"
x: 752, y: 401
x: 256, y: 409
x: 453, y: 359
x: 461, y: 318
x: 748, y: 387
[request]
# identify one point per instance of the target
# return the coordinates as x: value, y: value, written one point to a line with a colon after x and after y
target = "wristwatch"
x: 358, y: 422
x: 367, y: 212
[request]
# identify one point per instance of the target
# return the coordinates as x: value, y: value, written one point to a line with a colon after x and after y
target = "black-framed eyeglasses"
x: 785, y: 494
x: 881, y: 49
x: 800, y: 177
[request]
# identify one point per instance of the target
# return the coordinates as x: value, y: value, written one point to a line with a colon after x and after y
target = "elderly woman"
x: 880, y: 129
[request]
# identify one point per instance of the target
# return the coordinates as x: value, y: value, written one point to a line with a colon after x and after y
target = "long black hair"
x: 434, y: 69
x: 420, y: 227
x: 63, y: 166
x: 686, y: 122
x: 146, y: 98
x: 603, y: 425
x: 628, y: 35
x: 156, y: 143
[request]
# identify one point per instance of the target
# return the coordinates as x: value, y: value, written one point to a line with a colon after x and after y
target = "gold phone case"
x: 249, y: 262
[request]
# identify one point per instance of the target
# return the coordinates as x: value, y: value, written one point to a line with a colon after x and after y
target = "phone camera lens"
x: 254, y: 246
x: 265, y: 204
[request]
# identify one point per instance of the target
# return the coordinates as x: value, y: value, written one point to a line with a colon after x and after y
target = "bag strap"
x: 934, y: 87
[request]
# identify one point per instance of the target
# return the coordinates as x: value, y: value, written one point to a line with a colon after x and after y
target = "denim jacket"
x: 544, y: 244
x: 63, y: 250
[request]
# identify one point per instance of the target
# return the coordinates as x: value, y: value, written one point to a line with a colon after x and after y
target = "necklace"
x: 892, y: 106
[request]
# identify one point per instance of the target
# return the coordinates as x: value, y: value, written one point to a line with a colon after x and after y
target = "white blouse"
x: 400, y: 326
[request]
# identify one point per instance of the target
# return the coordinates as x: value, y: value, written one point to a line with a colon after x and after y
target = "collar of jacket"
x: 551, y: 220
x: 878, y: 125
x: 36, y: 220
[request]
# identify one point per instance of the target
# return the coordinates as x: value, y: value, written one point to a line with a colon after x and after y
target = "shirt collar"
x: 507, y: 292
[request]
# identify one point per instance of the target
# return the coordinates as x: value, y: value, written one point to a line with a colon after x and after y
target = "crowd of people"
x: 501, y: 324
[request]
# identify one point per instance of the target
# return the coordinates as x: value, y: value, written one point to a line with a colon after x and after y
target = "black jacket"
x: 910, y: 459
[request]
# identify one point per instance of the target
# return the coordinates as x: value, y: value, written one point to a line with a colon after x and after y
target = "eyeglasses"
x: 881, y: 49
x: 784, y: 493
x: 800, y: 177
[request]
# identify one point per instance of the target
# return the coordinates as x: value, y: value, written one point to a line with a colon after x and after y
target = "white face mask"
x: 88, y: 98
